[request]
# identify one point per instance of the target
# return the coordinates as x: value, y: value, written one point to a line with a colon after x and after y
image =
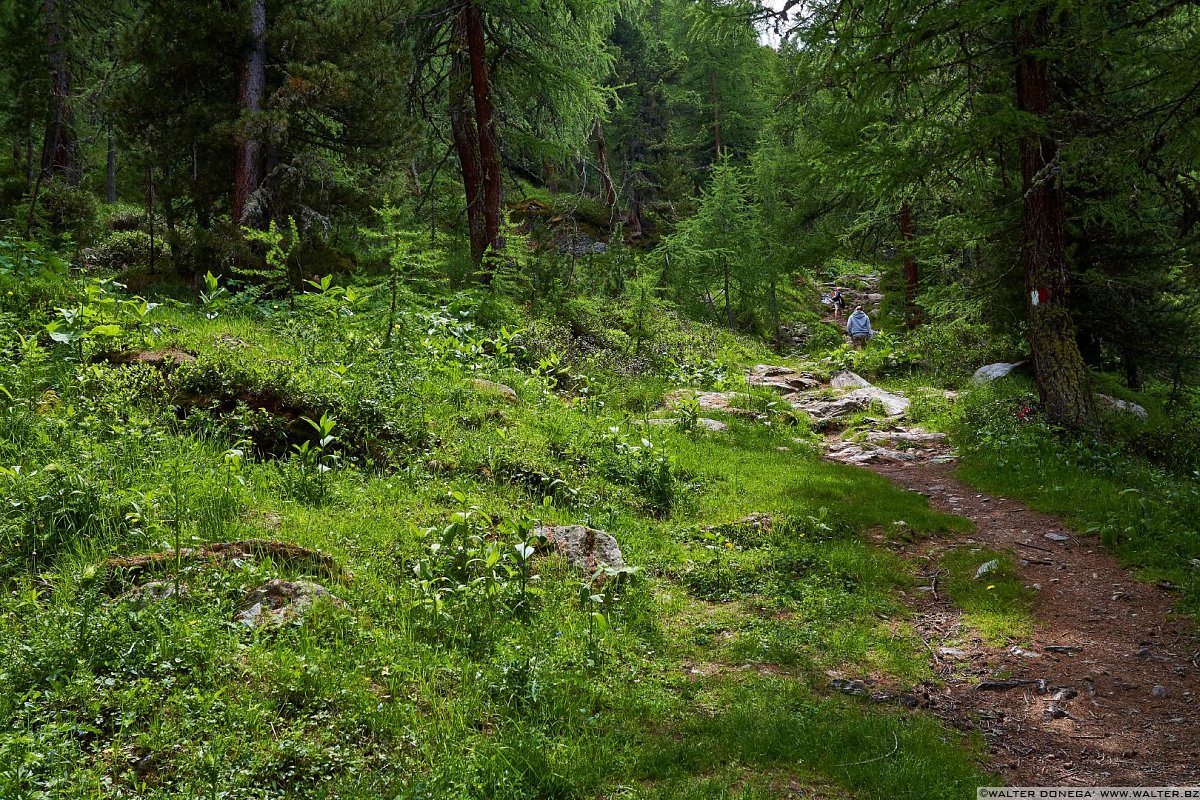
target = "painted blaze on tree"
x: 1058, y: 366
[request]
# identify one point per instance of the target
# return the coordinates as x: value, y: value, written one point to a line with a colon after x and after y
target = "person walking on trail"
x: 859, y: 328
x: 839, y: 302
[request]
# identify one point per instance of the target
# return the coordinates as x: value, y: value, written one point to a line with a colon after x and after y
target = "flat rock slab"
x: 909, y: 437
x: 584, y: 548
x: 152, y: 592
x: 278, y: 602
x: 825, y: 409
x: 132, y: 568
x: 711, y: 401
x: 704, y: 423
x: 485, y: 386
x: 784, y: 380
x: 859, y: 454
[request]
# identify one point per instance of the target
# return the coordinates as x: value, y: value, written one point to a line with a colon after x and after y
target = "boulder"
x: 278, y: 602
x: 1116, y: 404
x: 991, y: 372
x: 848, y: 380
x: 584, y: 548
x: 492, y: 388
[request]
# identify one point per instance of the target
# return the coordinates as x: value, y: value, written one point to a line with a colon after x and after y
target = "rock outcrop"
x: 278, y: 602
x: 584, y: 548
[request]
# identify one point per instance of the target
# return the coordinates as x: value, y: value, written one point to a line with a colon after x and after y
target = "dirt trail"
x: 1110, y: 696
x: 1105, y: 693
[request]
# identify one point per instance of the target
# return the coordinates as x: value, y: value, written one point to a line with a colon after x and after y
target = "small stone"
x: 1053, y: 711
x: 1057, y: 537
x: 984, y: 569
x: 951, y: 651
x: 1159, y: 691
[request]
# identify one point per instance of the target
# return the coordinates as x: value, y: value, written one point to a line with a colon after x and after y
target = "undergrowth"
x: 461, y: 659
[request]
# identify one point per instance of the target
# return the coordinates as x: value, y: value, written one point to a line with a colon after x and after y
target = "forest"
x: 598, y: 398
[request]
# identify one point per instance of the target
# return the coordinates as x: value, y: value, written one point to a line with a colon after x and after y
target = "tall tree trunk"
x: 60, y: 148
x: 728, y: 298
x: 489, y: 146
x: 111, y: 172
x: 633, y: 217
x: 773, y: 296
x: 551, y: 175
x: 606, y: 181
x: 150, y: 215
x: 29, y: 169
x: 466, y: 139
x: 1058, y: 366
x: 252, y: 86
x: 912, y: 274
x: 716, y: 107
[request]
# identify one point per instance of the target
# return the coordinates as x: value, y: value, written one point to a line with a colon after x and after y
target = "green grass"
x: 996, y: 604
x: 490, y: 698
x: 1144, y: 513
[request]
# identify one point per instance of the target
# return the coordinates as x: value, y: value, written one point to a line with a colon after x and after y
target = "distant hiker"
x: 859, y: 328
x: 839, y: 302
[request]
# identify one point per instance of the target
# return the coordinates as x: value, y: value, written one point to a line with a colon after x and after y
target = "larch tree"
x: 504, y: 68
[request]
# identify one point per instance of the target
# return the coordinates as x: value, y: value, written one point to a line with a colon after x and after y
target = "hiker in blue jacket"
x: 859, y: 328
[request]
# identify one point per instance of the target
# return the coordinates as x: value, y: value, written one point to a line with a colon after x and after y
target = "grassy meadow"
x: 458, y: 664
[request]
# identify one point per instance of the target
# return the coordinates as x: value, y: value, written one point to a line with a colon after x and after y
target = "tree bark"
x: 606, y: 181
x: 1058, y: 366
x: 551, y: 176
x: 252, y: 87
x: 716, y: 106
x: 111, y: 172
x: 60, y: 147
x: 489, y: 147
x: 912, y: 275
x: 466, y: 139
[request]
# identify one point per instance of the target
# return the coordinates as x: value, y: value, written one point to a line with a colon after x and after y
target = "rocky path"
x: 1103, y: 694
x: 1105, y: 691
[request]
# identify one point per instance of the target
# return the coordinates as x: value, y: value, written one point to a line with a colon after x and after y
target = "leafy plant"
x: 280, y: 245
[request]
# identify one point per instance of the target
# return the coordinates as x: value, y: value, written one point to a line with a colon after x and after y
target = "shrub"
x: 64, y: 209
x: 125, y: 250
x: 955, y: 348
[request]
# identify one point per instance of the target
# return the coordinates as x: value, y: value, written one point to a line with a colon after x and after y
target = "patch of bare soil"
x: 1105, y: 692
